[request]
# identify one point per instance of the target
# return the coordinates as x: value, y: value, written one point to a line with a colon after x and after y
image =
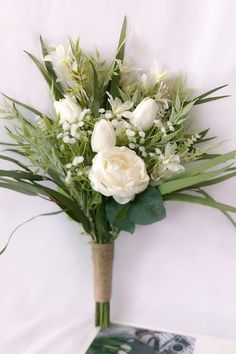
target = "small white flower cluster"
x: 72, y: 167
x: 168, y: 163
x: 193, y: 139
x: 71, y: 119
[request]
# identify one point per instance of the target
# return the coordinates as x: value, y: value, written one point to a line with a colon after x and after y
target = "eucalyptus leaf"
x: 114, y: 211
x: 147, y: 207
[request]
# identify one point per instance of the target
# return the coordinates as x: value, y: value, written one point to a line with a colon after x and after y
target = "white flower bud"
x: 68, y: 110
x: 144, y: 114
x: 103, y: 137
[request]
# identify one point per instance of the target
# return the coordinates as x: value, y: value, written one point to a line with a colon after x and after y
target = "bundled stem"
x: 102, y: 256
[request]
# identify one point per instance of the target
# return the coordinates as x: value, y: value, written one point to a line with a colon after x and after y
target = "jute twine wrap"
x: 102, y: 256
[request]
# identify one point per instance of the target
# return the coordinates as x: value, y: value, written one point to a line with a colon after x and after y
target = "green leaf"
x: 21, y: 187
x: 210, y: 99
x: 207, y: 196
x: 183, y: 183
x: 48, y: 64
x: 114, y: 91
x: 49, y: 79
x: 217, y: 180
x: 18, y: 175
x: 114, y: 211
x: 147, y: 207
x: 18, y: 163
x: 183, y: 197
x: 26, y: 222
x: 206, y: 165
x: 29, y: 108
x: 96, y: 92
x: 208, y: 93
x: 73, y: 208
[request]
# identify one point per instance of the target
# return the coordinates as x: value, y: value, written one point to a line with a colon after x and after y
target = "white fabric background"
x: 179, y: 273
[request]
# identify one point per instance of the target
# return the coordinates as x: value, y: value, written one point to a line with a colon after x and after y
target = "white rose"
x: 144, y: 114
x: 118, y: 172
x: 103, y: 136
x: 68, y: 110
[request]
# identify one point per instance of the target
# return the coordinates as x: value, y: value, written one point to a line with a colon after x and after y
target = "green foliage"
x: 47, y: 76
x: 145, y: 209
x: 46, y: 147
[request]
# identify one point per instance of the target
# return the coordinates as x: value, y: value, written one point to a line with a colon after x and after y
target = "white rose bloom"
x: 118, y: 172
x: 68, y: 110
x: 144, y: 114
x: 103, y: 136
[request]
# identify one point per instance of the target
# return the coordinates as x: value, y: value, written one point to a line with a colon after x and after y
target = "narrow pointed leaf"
x: 208, y: 93
x: 26, y: 222
x: 183, y: 197
x: 18, y: 163
x: 114, y: 91
x: 47, y: 76
x: 205, y: 100
x: 183, y: 183
x: 206, y: 165
x: 29, y: 108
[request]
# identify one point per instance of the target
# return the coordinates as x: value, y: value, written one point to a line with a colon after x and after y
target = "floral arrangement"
x: 114, y: 151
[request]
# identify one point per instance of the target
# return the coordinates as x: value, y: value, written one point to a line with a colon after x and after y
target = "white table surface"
x: 179, y: 273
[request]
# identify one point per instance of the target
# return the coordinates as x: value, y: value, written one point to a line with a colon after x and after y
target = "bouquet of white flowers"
x: 115, y: 149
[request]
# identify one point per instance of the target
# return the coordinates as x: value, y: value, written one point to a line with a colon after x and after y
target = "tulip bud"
x: 68, y: 110
x: 103, y: 137
x: 144, y: 114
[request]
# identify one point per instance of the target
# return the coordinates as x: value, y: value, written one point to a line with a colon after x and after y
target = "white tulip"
x: 144, y: 114
x: 103, y: 136
x: 68, y: 110
x: 118, y: 172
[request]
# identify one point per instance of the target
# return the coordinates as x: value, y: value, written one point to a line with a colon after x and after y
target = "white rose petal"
x: 144, y: 114
x: 103, y: 136
x: 118, y: 172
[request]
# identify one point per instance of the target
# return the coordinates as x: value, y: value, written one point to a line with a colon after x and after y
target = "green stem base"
x: 102, y: 317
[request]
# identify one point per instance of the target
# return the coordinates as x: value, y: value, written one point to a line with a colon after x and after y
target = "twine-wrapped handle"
x: 102, y: 256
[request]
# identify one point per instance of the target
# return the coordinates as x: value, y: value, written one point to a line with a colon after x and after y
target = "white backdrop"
x: 177, y: 274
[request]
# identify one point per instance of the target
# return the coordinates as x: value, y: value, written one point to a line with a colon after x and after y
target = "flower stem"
x: 102, y: 318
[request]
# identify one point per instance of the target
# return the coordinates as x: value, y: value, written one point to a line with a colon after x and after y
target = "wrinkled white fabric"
x: 178, y: 274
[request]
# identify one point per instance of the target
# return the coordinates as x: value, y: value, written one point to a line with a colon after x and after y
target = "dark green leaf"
x: 186, y: 182
x: 25, y: 222
x: 183, y: 197
x: 18, y: 175
x: 29, y: 108
x: 205, y: 100
x: 48, y: 64
x: 18, y: 163
x: 207, y: 196
x: 96, y: 92
x: 114, y: 211
x: 147, y: 207
x: 208, y: 93
x: 114, y: 91
x: 49, y: 79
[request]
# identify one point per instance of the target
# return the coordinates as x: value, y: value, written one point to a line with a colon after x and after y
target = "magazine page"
x: 124, y: 339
